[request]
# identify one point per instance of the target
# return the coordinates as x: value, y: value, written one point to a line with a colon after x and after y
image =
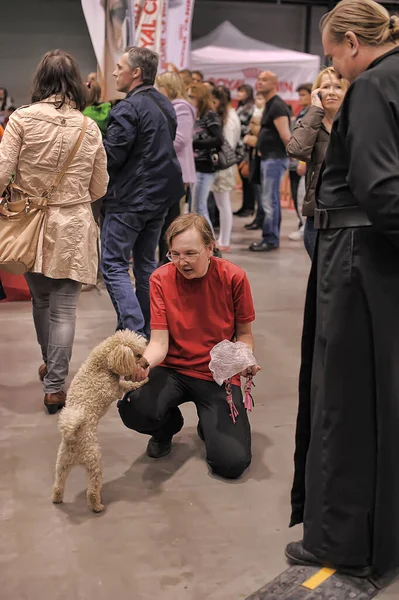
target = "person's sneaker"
x: 159, y: 448
x: 296, y: 236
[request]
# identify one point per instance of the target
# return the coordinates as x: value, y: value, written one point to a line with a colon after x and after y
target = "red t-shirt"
x: 199, y: 313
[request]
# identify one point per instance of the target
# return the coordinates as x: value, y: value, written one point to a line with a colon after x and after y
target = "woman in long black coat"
x: 346, y: 487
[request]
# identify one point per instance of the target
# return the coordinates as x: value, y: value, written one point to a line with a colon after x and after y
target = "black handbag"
x: 224, y: 158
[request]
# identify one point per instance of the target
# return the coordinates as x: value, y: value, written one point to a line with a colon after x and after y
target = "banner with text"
x: 152, y: 26
x: 178, y: 44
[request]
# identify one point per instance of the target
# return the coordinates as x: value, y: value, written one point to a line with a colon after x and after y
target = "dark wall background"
x: 31, y: 27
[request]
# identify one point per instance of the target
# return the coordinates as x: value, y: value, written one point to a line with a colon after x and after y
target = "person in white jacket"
x: 226, y: 180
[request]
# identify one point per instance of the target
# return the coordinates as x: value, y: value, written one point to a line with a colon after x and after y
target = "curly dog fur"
x: 99, y: 382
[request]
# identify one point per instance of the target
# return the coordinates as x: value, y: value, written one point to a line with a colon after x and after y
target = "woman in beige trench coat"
x: 37, y: 143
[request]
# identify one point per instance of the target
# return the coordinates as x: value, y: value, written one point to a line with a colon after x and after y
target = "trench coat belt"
x: 340, y: 218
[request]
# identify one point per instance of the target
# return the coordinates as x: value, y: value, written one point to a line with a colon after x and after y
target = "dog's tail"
x: 71, y: 419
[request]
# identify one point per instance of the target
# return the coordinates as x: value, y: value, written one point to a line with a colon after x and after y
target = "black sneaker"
x: 159, y: 448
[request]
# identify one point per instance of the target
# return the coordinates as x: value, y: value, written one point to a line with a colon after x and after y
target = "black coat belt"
x: 338, y: 218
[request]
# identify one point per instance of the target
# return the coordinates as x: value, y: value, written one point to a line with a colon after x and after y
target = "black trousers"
x: 153, y: 410
x: 248, y: 195
x: 294, y: 180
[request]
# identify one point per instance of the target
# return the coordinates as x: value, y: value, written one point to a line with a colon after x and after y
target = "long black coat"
x: 346, y: 486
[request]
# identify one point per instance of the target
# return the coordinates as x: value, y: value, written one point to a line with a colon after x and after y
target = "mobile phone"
x: 320, y: 96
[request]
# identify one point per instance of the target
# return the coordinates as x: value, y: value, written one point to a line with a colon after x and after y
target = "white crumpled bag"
x: 229, y: 359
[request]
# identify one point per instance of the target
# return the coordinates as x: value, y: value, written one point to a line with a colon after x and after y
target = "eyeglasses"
x: 189, y: 257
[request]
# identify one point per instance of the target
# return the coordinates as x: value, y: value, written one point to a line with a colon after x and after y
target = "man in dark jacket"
x: 145, y: 180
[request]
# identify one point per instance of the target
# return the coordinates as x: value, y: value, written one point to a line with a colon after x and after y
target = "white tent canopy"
x: 230, y: 58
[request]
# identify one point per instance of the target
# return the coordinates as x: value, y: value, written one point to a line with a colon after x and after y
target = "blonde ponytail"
x: 368, y: 20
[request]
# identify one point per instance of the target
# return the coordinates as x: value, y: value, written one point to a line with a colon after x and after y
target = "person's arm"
x: 155, y: 353
x: 10, y: 148
x: 372, y: 144
x: 244, y: 314
x: 282, y: 124
x: 244, y: 334
x: 99, y: 178
x: 184, y: 131
x: 121, y: 136
x: 157, y: 349
x: 251, y: 140
x: 305, y: 134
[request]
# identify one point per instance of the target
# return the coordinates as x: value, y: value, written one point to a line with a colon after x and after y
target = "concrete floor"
x: 171, y: 531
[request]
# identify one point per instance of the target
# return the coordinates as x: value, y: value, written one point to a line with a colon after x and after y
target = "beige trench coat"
x: 36, y: 144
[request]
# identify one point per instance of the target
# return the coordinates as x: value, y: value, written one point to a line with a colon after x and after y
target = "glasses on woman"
x: 189, y: 256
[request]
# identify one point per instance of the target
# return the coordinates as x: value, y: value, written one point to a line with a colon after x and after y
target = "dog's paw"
x: 58, y: 496
x: 97, y: 508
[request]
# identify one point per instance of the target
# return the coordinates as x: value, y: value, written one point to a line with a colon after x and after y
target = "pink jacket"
x: 186, y: 115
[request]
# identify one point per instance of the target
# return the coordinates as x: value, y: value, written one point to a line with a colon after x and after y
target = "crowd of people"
x: 162, y: 160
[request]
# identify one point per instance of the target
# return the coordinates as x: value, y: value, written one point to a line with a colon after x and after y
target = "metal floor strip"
x: 288, y: 586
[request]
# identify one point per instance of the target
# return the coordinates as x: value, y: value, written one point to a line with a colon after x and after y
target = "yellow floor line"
x: 319, y: 578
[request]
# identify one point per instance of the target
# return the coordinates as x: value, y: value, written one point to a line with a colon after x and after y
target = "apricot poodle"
x: 102, y: 379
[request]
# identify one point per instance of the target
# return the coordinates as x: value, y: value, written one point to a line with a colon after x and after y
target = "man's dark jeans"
x: 121, y: 235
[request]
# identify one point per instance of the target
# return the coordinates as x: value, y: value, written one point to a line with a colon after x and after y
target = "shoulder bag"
x: 224, y: 158
x: 21, y: 221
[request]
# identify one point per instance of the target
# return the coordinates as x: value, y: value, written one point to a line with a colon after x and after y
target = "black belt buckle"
x: 321, y: 218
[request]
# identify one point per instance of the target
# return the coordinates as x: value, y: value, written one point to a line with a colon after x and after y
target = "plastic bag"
x: 229, y: 359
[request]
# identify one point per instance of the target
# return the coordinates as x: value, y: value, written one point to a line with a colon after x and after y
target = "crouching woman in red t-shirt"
x: 197, y: 301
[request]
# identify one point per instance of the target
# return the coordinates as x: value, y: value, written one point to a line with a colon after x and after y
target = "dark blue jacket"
x: 145, y: 174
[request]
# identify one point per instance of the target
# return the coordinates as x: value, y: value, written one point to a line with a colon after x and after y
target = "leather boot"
x: 54, y: 402
x: 297, y: 555
x: 42, y: 371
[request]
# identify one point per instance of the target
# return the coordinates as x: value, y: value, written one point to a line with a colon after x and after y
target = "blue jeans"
x: 310, y: 236
x: 272, y: 172
x: 121, y: 234
x: 260, y: 213
x: 200, y: 194
x: 54, y: 303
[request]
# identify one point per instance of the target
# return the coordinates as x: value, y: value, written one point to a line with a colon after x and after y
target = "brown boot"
x: 54, y: 402
x: 42, y: 371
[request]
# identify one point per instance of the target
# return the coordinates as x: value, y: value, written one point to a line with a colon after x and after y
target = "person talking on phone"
x: 310, y: 140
